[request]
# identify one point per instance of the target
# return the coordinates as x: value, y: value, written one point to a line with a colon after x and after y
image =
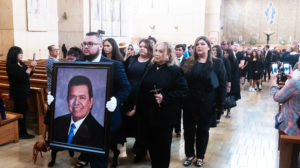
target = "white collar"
x: 180, y: 59
x: 97, y: 59
x: 77, y: 124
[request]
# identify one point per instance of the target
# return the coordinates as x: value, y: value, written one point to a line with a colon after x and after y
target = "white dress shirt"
x: 77, y: 124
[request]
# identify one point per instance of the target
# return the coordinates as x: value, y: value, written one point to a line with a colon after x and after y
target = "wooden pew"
x: 39, y: 83
x: 36, y: 71
x: 9, y: 129
x: 37, y: 100
x: 289, y: 151
x: 34, y: 76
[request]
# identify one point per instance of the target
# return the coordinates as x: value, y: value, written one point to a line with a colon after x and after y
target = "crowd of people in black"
x: 167, y: 86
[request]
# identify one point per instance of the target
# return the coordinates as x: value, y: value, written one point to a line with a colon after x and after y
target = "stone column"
x: 6, y: 27
x: 213, y: 20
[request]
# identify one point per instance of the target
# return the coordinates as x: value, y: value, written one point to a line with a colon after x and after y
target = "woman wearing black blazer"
x: 206, y: 80
x: 162, y: 85
x: 19, y: 85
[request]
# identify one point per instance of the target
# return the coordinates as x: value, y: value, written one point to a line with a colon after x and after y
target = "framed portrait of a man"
x: 79, y: 120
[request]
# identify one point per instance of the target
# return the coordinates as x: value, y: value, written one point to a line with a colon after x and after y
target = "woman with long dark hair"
x: 19, y: 85
x: 235, y: 89
x: 206, y: 80
x: 111, y: 50
x: 255, y: 70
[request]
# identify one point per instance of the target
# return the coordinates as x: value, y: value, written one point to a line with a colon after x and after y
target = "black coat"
x: 268, y: 59
x: 202, y: 96
x: 182, y: 61
x: 235, y: 89
x: 19, y: 83
x: 90, y: 132
x: 172, y: 84
x: 227, y: 68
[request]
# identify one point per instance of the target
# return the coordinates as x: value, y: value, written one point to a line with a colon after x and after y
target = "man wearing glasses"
x: 92, y: 48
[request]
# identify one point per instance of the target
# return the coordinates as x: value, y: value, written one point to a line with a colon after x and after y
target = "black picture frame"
x: 87, y: 136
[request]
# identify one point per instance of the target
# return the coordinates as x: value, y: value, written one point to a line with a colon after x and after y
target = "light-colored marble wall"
x: 175, y: 21
x: 32, y: 42
x: 6, y: 28
x: 247, y: 19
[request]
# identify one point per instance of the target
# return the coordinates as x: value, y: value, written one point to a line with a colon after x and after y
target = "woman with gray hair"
x: 162, y: 85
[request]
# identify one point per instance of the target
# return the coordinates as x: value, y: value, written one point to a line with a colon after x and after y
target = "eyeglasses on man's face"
x: 88, y: 44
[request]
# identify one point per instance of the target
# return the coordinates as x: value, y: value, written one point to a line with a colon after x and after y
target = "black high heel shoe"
x: 188, y: 161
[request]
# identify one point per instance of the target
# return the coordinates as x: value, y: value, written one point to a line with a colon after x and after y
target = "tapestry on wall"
x: 37, y: 13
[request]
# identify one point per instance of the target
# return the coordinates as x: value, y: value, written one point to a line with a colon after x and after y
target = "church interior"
x: 247, y: 138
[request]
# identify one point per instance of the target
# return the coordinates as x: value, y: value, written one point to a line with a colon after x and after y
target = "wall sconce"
x: 65, y: 16
x: 152, y: 27
x: 176, y: 27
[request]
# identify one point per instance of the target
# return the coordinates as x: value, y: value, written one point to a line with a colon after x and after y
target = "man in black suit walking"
x: 79, y: 127
x: 268, y: 59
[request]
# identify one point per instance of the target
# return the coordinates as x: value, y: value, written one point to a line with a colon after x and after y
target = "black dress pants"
x: 20, y: 106
x: 199, y: 128
x: 159, y: 144
x: 268, y: 71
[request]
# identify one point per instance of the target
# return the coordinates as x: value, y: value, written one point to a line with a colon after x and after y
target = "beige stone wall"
x: 247, y: 19
x: 175, y: 21
x: 71, y: 29
x: 6, y: 28
x: 32, y: 42
x: 212, y: 20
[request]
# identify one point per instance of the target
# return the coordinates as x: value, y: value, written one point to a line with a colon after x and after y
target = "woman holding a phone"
x: 19, y: 85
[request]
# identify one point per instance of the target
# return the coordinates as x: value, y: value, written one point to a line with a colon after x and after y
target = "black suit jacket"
x: 182, y: 61
x: 90, y: 132
x: 121, y: 90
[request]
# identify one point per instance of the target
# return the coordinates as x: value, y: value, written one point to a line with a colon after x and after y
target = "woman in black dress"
x: 255, y: 69
x: 206, y: 78
x: 135, y: 67
x: 235, y: 89
x: 19, y: 85
x: 217, y: 51
x: 162, y: 85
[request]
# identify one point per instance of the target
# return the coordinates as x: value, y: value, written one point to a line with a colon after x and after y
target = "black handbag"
x: 229, y: 102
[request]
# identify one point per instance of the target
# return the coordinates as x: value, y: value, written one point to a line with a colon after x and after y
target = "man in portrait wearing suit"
x: 79, y: 127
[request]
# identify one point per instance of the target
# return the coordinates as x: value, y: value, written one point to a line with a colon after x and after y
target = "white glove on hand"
x: 111, y: 104
x: 50, y: 98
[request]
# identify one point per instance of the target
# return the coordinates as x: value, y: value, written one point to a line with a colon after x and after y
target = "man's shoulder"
x: 105, y: 59
x: 63, y: 118
x: 92, y: 121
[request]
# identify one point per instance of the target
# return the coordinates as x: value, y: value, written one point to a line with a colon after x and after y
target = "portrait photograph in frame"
x: 79, y: 120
